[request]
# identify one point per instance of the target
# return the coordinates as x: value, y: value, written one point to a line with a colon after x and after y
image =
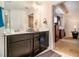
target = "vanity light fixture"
x: 45, y: 21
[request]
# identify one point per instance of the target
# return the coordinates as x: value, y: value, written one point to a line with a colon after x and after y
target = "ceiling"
x: 73, y: 6
x: 70, y: 7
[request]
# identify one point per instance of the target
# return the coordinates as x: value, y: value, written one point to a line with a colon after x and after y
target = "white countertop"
x: 13, y: 33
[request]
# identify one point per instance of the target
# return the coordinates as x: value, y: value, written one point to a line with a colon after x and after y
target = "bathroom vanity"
x: 26, y: 44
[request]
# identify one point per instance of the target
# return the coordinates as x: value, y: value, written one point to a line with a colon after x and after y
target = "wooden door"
x: 56, y: 33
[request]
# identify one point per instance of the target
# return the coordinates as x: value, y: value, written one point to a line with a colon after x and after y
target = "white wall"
x: 45, y: 10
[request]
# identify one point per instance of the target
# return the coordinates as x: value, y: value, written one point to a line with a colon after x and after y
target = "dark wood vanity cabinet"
x: 19, y: 45
x: 29, y: 44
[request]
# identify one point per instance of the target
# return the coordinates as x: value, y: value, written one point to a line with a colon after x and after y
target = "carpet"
x: 49, y: 53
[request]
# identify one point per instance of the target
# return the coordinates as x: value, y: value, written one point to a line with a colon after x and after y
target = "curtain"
x: 1, y: 18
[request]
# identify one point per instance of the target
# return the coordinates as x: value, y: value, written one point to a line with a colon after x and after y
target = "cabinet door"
x: 44, y: 40
x: 36, y: 41
x: 36, y: 44
x: 1, y: 46
x: 22, y: 48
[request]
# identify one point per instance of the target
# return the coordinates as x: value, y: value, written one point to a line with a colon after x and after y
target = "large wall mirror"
x: 18, y: 16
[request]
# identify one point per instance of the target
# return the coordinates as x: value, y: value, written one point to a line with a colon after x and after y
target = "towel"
x: 1, y: 18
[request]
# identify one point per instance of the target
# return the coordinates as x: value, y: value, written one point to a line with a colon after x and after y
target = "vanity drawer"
x: 19, y: 37
x: 22, y: 48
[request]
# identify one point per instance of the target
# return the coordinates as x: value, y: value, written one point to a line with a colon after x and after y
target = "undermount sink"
x: 73, y: 41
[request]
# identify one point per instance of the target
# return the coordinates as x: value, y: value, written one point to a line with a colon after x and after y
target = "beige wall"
x: 72, y: 19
